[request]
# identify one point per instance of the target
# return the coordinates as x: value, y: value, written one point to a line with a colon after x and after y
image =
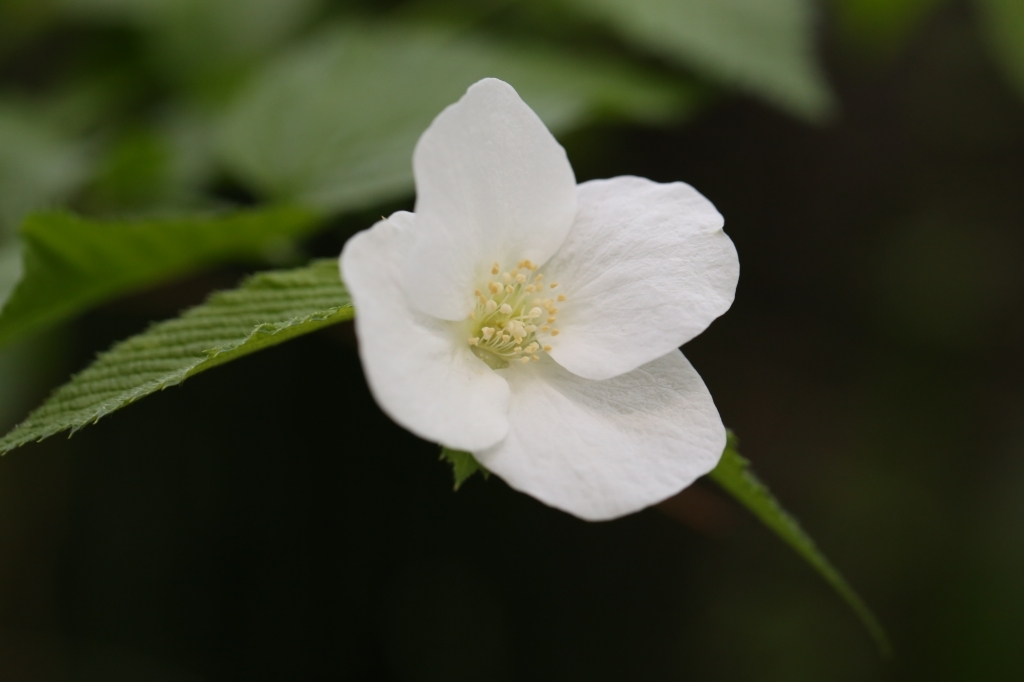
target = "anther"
x: 547, y: 348
x: 511, y: 303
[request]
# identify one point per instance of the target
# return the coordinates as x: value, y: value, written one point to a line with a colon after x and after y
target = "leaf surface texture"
x: 71, y: 263
x: 267, y: 309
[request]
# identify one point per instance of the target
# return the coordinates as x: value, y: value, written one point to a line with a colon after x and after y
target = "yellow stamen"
x: 511, y: 307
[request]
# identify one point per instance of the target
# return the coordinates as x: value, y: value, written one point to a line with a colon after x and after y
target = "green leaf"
x: 40, y: 165
x: 881, y: 26
x: 10, y: 269
x: 1002, y: 22
x: 151, y: 169
x: 763, y: 46
x: 733, y: 473
x: 332, y: 124
x: 464, y: 465
x: 203, y: 41
x: 267, y: 309
x: 71, y: 263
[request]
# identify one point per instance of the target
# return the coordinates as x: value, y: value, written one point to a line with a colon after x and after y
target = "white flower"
x: 536, y: 323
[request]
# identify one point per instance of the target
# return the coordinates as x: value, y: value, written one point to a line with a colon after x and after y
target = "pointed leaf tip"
x: 265, y: 310
x: 734, y: 474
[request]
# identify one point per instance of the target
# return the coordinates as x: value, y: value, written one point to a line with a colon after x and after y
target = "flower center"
x: 514, y: 311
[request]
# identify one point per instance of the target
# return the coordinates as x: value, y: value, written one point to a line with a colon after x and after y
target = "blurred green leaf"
x: 135, y: 171
x: 765, y: 47
x: 11, y: 360
x: 464, y: 465
x: 881, y: 26
x: 10, y: 269
x: 163, y: 166
x: 39, y: 165
x: 733, y: 473
x: 1002, y: 22
x: 267, y: 309
x: 203, y: 41
x: 22, y: 20
x: 72, y: 263
x: 333, y: 123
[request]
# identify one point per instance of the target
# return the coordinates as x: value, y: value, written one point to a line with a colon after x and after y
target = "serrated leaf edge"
x: 789, y: 530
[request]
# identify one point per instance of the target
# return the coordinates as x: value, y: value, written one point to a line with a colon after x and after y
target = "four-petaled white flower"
x: 536, y: 323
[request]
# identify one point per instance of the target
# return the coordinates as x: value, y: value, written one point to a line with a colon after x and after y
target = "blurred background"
x: 266, y: 522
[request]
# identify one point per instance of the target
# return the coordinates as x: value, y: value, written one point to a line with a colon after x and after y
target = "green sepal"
x: 464, y: 465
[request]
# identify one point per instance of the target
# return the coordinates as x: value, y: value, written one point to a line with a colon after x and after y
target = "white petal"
x: 645, y: 268
x: 492, y: 184
x: 602, y: 449
x: 419, y: 368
